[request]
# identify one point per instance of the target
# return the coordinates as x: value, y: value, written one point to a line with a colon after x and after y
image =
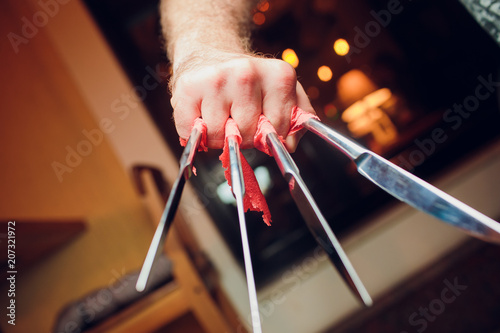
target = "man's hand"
x: 215, y: 76
x: 225, y: 84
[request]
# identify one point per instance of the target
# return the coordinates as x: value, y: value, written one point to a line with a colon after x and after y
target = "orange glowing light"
x: 378, y: 97
x: 325, y: 73
x: 259, y: 18
x: 331, y: 111
x: 290, y: 57
x: 263, y: 6
x: 366, y: 116
x: 312, y: 92
x: 341, y: 47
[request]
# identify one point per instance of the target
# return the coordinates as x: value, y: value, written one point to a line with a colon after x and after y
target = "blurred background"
x: 386, y: 79
x: 414, y: 81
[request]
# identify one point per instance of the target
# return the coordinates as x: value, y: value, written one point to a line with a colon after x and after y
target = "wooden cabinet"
x: 59, y: 163
x: 186, y: 302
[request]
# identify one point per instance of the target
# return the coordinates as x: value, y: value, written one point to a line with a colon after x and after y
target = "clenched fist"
x: 223, y: 84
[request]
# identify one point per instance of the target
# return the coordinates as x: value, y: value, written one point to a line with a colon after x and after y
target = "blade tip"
x: 140, y: 286
x: 367, y: 301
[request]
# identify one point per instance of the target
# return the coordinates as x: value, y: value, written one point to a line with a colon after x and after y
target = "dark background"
x: 430, y: 56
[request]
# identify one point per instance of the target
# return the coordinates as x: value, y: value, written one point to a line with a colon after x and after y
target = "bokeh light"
x: 341, y: 47
x: 331, y: 111
x: 263, y: 6
x: 325, y: 73
x: 312, y: 92
x: 290, y: 57
x: 259, y: 18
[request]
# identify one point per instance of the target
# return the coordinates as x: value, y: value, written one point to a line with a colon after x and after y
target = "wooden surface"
x: 187, y: 295
x: 42, y: 116
x: 45, y: 117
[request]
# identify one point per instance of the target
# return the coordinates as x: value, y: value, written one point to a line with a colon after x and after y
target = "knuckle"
x: 213, y: 78
x: 181, y: 83
x: 244, y: 72
x: 217, y: 81
x: 179, y: 102
x: 286, y: 72
x: 284, y: 77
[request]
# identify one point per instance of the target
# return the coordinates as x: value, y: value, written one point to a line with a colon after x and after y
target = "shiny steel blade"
x: 238, y: 188
x: 167, y: 217
x: 409, y: 188
x: 315, y: 220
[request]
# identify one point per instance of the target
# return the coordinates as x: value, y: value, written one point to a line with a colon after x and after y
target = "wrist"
x: 204, y: 58
x: 197, y: 47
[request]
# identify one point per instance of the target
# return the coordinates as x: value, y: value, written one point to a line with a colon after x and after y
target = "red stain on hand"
x: 264, y: 127
x: 253, y: 199
x: 299, y: 117
x: 200, y: 125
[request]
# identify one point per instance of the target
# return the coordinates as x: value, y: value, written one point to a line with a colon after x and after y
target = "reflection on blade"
x: 315, y: 220
x: 409, y: 188
x: 238, y: 188
x: 421, y: 195
x: 170, y: 208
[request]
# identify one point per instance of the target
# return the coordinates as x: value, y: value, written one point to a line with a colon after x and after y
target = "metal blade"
x: 315, y: 220
x: 167, y: 217
x: 409, y: 188
x: 427, y: 198
x: 238, y: 188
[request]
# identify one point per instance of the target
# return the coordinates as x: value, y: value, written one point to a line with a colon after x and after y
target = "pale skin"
x: 215, y: 76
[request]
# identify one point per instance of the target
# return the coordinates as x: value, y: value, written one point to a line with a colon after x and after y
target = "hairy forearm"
x: 195, y: 27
